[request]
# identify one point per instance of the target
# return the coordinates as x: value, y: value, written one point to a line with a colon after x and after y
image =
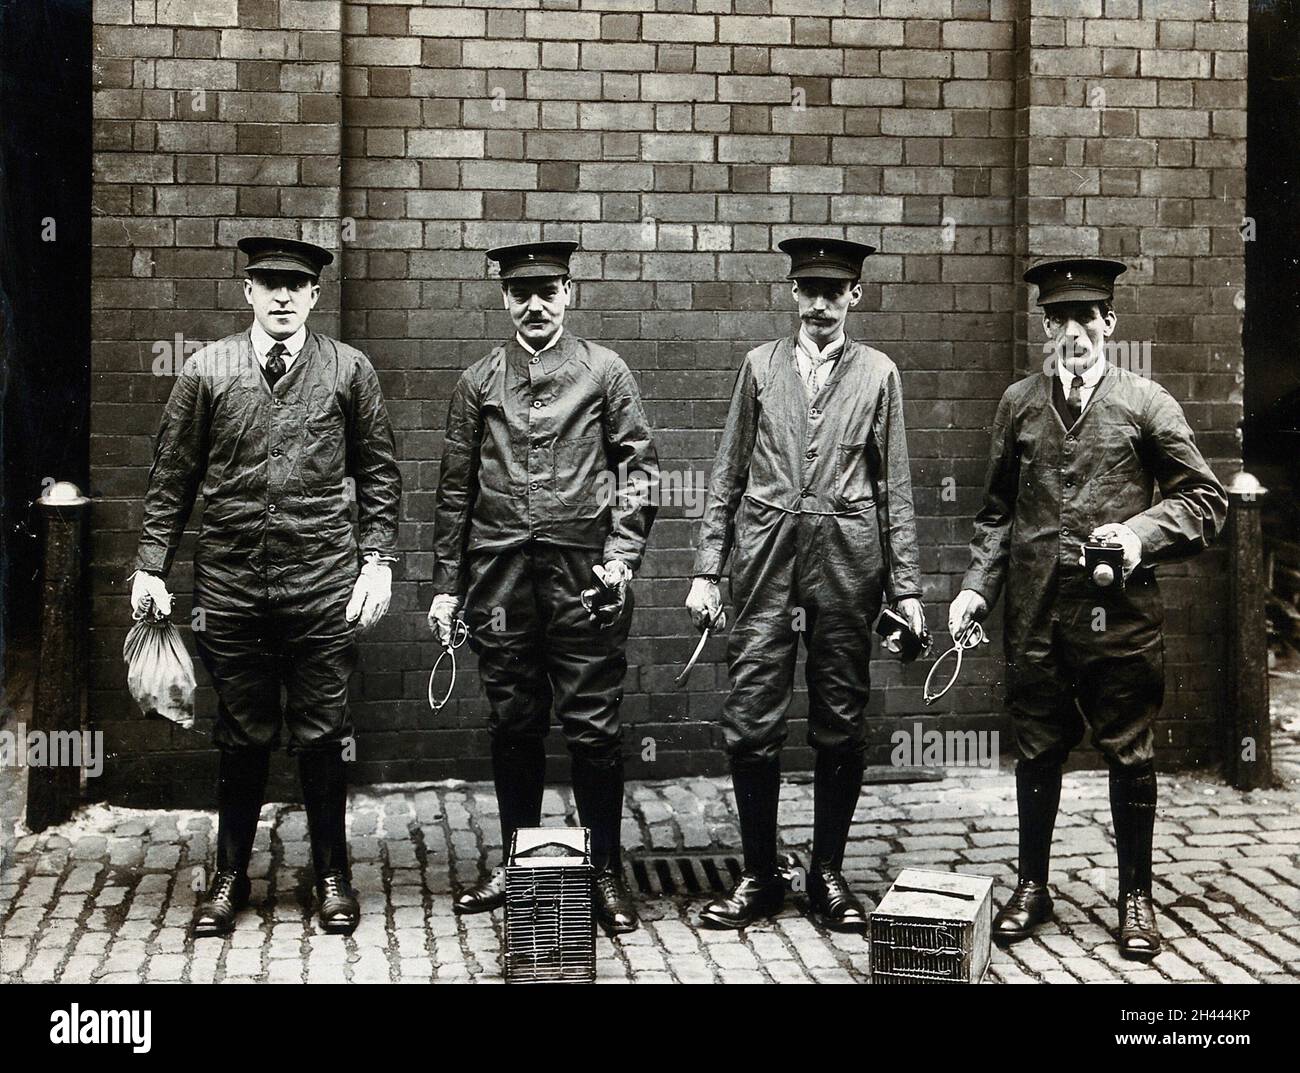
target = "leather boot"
x: 837, y: 783
x: 484, y: 896
x: 241, y: 785
x: 615, y: 910
x: 1038, y: 796
x: 760, y: 891
x: 225, y: 897
x: 519, y: 776
x: 325, y: 793
x: 338, y: 909
x: 833, y: 902
x: 1133, y: 809
x: 751, y: 899
x: 598, y: 792
x: 1028, y: 906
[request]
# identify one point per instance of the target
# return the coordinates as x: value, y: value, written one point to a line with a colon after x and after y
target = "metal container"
x: 932, y: 928
x: 550, y: 916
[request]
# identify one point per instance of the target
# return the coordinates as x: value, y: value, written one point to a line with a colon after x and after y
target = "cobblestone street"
x: 107, y: 897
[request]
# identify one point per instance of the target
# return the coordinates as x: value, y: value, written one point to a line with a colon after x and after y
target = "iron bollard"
x: 54, y: 790
x: 1250, y: 754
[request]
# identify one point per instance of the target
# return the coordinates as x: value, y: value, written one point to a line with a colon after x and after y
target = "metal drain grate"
x: 669, y: 874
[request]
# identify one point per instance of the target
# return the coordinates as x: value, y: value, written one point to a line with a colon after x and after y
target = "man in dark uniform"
x: 548, y: 479
x: 812, y: 487
x: 1077, y: 451
x: 271, y: 425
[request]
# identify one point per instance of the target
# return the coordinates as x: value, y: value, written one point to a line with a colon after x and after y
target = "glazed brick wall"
x: 678, y: 142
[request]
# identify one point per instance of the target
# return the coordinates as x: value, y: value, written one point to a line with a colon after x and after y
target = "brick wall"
x: 678, y: 143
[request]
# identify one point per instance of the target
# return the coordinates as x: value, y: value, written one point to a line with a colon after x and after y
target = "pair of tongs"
x: 973, y: 635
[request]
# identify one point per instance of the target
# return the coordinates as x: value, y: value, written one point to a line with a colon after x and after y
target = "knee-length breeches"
x: 1093, y: 656
x: 538, y: 649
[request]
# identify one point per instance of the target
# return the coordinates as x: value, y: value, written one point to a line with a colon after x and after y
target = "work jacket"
x: 278, y: 470
x: 843, y: 452
x: 553, y: 447
x: 1048, y: 487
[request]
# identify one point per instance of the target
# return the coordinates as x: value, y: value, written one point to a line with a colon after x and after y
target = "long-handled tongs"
x: 973, y: 635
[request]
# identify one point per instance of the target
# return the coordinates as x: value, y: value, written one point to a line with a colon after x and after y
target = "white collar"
x: 1091, y: 375
x: 263, y: 341
x: 554, y: 339
x: 813, y: 350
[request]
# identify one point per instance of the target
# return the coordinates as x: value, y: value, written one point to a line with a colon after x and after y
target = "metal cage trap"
x: 550, y: 925
x: 932, y: 928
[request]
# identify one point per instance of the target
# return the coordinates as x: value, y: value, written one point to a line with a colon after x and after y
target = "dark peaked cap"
x: 533, y: 259
x: 829, y: 258
x: 1075, y: 279
x: 266, y: 253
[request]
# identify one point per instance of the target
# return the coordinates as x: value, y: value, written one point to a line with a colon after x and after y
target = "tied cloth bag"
x: 159, y: 670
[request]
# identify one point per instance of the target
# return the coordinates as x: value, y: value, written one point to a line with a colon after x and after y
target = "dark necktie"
x: 1074, y: 401
x: 275, y: 363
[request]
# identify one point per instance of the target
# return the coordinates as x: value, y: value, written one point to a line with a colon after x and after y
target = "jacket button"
x: 537, y: 404
x: 533, y: 487
x: 811, y: 455
x: 533, y: 361
x: 814, y: 413
x: 276, y: 452
x: 271, y: 508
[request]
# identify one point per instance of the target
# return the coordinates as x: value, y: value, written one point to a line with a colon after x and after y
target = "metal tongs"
x: 970, y: 637
x: 718, y: 622
x: 459, y: 635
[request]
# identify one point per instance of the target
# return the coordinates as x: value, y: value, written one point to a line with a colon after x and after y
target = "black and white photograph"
x: 651, y: 492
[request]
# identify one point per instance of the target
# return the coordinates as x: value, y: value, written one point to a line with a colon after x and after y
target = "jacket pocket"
x: 576, y: 469
x: 321, y: 451
x: 853, y: 486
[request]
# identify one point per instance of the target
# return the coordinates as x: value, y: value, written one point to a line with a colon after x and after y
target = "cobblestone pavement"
x: 107, y: 896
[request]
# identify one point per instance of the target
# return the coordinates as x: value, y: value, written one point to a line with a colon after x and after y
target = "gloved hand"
x: 912, y: 610
x: 1118, y: 533
x: 370, y: 595
x: 442, y: 613
x: 146, y: 587
x: 616, y: 574
x: 704, y: 602
x: 968, y: 607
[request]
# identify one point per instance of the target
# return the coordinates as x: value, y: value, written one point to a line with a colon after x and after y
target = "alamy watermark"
x: 918, y: 747
x: 83, y: 749
x: 1133, y: 355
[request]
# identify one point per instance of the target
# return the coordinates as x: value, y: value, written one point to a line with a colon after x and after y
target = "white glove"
x: 1117, y: 533
x: 442, y: 613
x: 704, y: 602
x: 370, y: 595
x: 968, y: 607
x: 616, y: 574
x: 146, y: 587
